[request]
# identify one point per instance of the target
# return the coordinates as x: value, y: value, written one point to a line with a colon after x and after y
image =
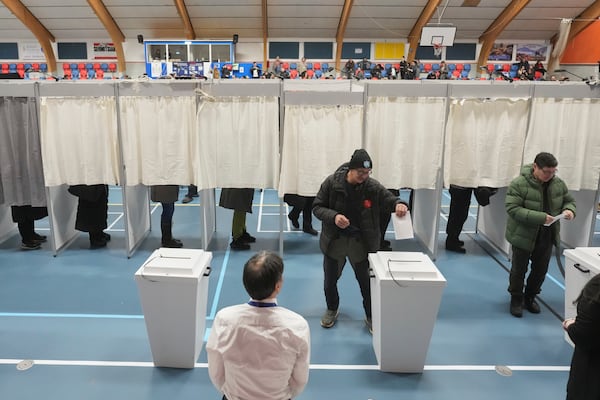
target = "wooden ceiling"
x: 68, y: 20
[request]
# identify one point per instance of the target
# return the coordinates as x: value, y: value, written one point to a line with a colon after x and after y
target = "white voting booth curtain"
x: 158, y: 139
x: 317, y: 140
x: 484, y: 141
x: 405, y: 138
x: 567, y: 128
x: 238, y: 143
x: 79, y: 140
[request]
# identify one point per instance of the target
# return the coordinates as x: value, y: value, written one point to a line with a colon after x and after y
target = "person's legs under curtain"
x: 166, y: 225
x: 238, y: 228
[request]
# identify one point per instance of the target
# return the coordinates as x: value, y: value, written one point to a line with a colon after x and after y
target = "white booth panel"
x: 62, y: 212
x: 580, y: 231
x: 491, y: 222
x: 7, y: 226
x: 136, y: 207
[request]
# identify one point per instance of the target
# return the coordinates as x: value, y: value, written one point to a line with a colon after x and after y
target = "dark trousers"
x: 168, y: 209
x: 192, y: 191
x: 301, y: 204
x: 540, y: 257
x: 333, y: 265
x: 26, y: 229
x: 460, y: 201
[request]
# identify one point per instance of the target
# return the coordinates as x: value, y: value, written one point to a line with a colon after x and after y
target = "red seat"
x: 99, y: 73
x: 293, y: 74
x: 97, y: 66
x: 317, y: 66
x: 285, y: 66
x: 427, y: 67
x: 456, y: 73
x: 66, y: 67
x: 112, y: 67
x: 506, y: 67
x: 310, y: 74
x: 460, y: 67
x: 81, y: 66
x: 83, y: 74
x: 35, y: 66
x: 490, y: 68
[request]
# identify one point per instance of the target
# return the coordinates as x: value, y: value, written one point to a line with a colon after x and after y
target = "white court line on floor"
x: 359, y: 367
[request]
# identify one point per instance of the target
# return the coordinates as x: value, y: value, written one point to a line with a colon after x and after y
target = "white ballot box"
x: 406, y: 292
x: 173, y: 287
x: 581, y: 264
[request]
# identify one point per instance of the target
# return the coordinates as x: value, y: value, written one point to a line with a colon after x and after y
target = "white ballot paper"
x: 403, y: 226
x: 554, y: 219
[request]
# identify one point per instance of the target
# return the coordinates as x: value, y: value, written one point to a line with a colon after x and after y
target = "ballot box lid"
x: 405, y: 266
x: 589, y: 256
x: 176, y: 262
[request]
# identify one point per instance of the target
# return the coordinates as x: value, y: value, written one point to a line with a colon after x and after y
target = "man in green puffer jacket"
x: 533, y: 201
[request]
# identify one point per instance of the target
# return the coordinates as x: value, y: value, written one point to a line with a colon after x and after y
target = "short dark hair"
x: 261, y: 273
x: 543, y: 160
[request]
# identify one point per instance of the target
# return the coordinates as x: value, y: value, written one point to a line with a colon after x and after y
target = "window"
x: 178, y: 52
x: 221, y: 52
x: 199, y: 52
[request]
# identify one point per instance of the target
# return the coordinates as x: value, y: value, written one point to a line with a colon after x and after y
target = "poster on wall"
x: 31, y: 51
x: 501, y: 52
x: 532, y: 52
x: 104, y: 51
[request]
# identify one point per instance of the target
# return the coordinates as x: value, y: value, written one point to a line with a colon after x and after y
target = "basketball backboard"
x: 436, y: 34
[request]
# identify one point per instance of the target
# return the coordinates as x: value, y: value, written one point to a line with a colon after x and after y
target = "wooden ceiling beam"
x: 341, y: 31
x: 488, y: 37
x: 113, y: 30
x: 42, y: 34
x: 188, y: 29
x: 415, y: 33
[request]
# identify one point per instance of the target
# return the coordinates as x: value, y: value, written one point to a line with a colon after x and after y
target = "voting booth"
x: 406, y: 291
x: 173, y: 288
x: 581, y: 264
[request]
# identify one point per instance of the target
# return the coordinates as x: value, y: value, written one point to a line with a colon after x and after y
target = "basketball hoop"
x: 437, y: 49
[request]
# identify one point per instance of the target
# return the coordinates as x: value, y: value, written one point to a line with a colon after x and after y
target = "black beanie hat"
x: 360, y: 159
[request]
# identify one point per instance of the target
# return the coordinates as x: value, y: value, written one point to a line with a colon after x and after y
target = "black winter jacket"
x: 330, y: 201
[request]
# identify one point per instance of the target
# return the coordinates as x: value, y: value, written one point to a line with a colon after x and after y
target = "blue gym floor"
x: 78, y: 317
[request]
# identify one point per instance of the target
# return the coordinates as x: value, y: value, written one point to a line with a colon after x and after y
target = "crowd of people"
x: 403, y: 69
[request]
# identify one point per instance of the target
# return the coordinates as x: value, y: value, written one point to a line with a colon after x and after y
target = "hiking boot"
x: 531, y: 305
x: 310, y: 230
x: 516, y: 306
x: 187, y: 199
x: 247, y: 238
x: 329, y: 318
x: 239, y: 244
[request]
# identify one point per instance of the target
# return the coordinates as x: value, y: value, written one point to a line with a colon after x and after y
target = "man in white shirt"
x: 259, y: 350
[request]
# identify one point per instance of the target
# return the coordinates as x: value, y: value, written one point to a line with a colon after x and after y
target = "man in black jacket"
x: 349, y: 204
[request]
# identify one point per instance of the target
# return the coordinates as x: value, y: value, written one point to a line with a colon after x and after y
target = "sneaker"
x: 187, y: 199
x: 329, y: 318
x: 247, y: 238
x: 106, y: 236
x: 369, y: 324
x: 531, y: 305
x: 31, y: 246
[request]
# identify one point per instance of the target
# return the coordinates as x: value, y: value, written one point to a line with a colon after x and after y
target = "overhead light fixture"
x: 470, y: 3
